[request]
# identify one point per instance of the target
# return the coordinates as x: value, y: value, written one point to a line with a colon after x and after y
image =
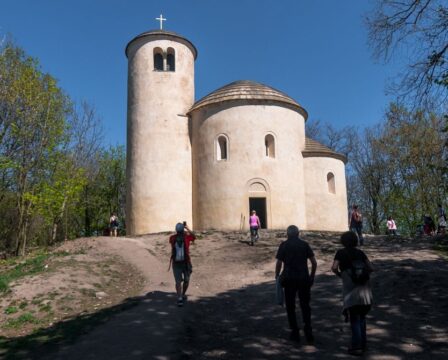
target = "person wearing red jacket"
x: 180, y: 259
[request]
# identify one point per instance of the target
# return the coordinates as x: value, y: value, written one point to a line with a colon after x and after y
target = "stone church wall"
x: 221, y: 188
x: 326, y: 206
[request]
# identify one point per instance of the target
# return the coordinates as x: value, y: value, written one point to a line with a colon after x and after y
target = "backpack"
x: 359, y: 272
x: 178, y: 250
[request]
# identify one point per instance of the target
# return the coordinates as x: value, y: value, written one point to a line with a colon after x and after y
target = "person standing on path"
x: 254, y: 223
x: 180, y: 259
x: 293, y: 255
x: 441, y: 219
x: 357, y: 296
x: 113, y: 224
x: 356, y: 223
x: 391, y: 226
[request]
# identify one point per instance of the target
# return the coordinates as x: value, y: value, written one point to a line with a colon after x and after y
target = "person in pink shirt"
x: 254, y: 223
x: 391, y: 226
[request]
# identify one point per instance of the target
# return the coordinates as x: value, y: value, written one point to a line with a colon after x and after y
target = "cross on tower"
x: 161, y: 19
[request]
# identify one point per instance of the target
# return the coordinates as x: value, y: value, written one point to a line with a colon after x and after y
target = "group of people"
x: 429, y: 226
x: 293, y: 274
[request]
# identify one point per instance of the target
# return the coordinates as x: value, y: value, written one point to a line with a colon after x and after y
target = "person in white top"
x: 391, y: 226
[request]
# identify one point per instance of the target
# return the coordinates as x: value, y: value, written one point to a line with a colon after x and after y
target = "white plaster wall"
x: 159, y: 174
x: 220, y: 188
x: 325, y: 211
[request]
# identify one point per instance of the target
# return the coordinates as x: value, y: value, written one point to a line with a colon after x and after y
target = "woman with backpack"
x: 354, y: 268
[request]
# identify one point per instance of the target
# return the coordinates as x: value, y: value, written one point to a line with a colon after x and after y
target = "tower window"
x: 158, y: 59
x: 330, y: 183
x: 269, y: 144
x: 170, y: 60
x: 221, y: 148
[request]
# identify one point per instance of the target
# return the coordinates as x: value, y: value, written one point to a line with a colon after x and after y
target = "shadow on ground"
x: 409, y: 321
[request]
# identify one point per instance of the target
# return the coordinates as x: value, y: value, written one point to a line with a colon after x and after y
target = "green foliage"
x: 105, y: 191
x: 399, y: 169
x: 11, y: 310
x: 30, y: 266
x: 55, y: 180
x: 25, y: 318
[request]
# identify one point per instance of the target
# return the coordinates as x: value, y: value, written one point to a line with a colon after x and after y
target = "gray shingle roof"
x: 316, y: 149
x: 249, y: 91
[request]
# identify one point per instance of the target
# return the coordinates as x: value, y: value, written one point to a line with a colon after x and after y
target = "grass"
x: 11, y: 310
x: 46, y: 340
x: 25, y: 318
x: 34, y: 264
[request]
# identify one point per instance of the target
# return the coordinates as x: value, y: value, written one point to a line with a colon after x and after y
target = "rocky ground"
x: 231, y: 312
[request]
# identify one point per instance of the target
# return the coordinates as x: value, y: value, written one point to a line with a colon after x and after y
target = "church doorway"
x: 259, y: 205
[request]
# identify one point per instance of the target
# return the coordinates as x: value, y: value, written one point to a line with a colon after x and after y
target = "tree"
x: 32, y: 119
x: 420, y: 29
x: 105, y: 191
x: 412, y: 146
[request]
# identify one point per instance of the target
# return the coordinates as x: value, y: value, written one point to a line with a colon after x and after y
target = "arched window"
x: 269, y: 144
x: 221, y: 148
x: 158, y: 59
x: 170, y: 60
x: 330, y: 183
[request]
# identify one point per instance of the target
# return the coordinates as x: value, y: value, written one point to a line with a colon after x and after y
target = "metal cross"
x: 161, y: 19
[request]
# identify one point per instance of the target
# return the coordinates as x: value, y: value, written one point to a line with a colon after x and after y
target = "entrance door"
x: 259, y: 205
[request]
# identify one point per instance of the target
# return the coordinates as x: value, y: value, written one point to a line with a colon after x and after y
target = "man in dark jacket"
x: 293, y: 255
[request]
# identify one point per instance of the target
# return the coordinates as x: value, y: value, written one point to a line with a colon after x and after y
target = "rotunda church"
x: 240, y: 148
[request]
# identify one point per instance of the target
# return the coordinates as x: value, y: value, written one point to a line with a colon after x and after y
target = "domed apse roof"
x: 316, y: 149
x: 249, y: 91
x: 165, y: 34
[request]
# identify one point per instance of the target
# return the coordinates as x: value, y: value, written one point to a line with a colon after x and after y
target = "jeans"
x: 358, y: 325
x: 357, y: 229
x: 302, y: 288
x: 254, y: 231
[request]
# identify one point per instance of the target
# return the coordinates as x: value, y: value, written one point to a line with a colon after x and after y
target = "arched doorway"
x: 258, y: 200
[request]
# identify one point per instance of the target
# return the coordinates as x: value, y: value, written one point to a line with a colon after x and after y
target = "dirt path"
x: 231, y: 312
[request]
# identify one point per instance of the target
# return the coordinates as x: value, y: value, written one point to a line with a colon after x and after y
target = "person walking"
x: 353, y: 266
x: 293, y: 255
x: 441, y: 229
x: 180, y: 260
x: 356, y: 223
x: 113, y: 225
x: 391, y: 226
x: 254, y: 223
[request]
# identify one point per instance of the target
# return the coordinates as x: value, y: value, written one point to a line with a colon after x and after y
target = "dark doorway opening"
x: 259, y: 205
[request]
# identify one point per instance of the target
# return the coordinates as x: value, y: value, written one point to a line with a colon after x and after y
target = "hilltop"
x: 128, y: 306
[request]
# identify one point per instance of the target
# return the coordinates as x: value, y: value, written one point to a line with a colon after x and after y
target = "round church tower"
x: 160, y: 93
x: 247, y: 143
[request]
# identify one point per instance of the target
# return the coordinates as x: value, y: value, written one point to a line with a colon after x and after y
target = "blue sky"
x: 314, y: 50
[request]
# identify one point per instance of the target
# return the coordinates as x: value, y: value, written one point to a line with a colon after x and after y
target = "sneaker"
x: 180, y: 302
x: 309, y: 337
x: 295, y: 335
x: 184, y: 297
x: 355, y: 352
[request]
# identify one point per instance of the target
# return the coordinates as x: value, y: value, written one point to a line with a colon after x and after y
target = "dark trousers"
x: 292, y: 288
x: 254, y: 231
x: 358, y: 325
x: 357, y: 229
